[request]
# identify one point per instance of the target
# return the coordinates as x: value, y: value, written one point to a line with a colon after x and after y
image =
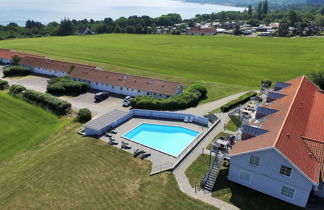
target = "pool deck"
x: 160, y: 161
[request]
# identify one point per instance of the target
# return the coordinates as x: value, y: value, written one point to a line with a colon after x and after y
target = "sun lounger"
x: 191, y: 119
x: 125, y: 145
x: 145, y: 155
x: 138, y: 152
x: 186, y: 119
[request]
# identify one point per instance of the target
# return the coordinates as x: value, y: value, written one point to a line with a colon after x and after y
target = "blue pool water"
x: 168, y: 139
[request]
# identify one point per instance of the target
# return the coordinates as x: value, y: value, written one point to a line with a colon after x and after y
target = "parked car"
x: 101, y: 96
x: 127, y: 98
x: 126, y: 103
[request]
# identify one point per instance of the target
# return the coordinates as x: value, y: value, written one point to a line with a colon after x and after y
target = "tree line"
x: 132, y: 24
x: 301, y: 17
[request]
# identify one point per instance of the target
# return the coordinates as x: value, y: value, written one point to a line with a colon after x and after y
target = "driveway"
x: 39, y: 83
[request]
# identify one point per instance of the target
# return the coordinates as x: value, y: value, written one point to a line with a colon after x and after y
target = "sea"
x: 46, y: 11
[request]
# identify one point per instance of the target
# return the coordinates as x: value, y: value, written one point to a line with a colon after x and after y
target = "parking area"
x: 86, y: 100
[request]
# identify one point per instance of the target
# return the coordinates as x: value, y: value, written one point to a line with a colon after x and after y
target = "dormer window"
x: 286, y: 171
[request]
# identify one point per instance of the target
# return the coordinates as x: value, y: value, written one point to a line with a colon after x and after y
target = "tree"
x: 283, y: 28
x: 321, y: 11
x: 84, y: 115
x: 259, y: 11
x: 317, y: 78
x: 15, y: 60
x: 66, y: 28
x: 250, y: 11
x: 319, y: 20
x: 292, y: 17
x: 266, y: 83
x: 265, y: 7
x: 237, y: 30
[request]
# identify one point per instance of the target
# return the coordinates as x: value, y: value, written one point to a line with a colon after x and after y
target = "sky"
x: 54, y: 10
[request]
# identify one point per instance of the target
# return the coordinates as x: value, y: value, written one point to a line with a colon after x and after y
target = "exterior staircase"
x: 210, y: 178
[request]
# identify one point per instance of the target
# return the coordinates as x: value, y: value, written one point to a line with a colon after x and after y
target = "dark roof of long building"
x: 91, y: 73
x: 52, y: 64
x: 127, y: 81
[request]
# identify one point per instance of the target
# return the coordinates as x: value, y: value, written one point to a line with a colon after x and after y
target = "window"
x: 246, y: 177
x: 286, y: 171
x: 288, y: 192
x: 254, y: 160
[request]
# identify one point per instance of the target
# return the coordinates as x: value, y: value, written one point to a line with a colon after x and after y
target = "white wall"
x: 267, y: 179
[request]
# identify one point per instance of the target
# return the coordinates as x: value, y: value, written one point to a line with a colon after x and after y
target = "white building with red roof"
x: 282, y: 151
x: 98, y: 79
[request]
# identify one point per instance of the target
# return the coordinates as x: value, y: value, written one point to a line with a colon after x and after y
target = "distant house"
x: 202, y: 31
x: 103, y: 80
x: 6, y: 55
x: 281, y: 152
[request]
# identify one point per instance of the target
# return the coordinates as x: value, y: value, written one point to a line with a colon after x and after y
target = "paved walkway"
x: 182, y: 179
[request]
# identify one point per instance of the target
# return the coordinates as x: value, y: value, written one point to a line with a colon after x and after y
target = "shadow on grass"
x: 245, y: 198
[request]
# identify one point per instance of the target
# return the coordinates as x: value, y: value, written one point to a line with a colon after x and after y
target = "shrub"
x: 16, y: 71
x: 241, y: 100
x: 266, y: 83
x: 66, y: 86
x: 16, y: 89
x: 317, y: 78
x: 3, y: 84
x: 190, y: 97
x: 47, y: 101
x: 84, y: 115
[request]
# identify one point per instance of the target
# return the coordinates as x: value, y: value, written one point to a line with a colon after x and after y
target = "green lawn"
x: 226, y: 64
x: 68, y: 171
x: 231, y: 126
x: 23, y: 126
x: 242, y: 197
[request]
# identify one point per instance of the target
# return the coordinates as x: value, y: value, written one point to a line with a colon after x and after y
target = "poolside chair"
x: 111, y: 142
x: 125, y: 145
x: 186, y: 119
x: 113, y: 132
x: 145, y: 155
x: 138, y: 152
x: 191, y: 119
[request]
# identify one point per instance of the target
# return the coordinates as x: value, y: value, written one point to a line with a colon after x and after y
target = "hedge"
x: 16, y: 71
x: 16, y: 89
x: 66, y: 86
x: 47, y: 101
x: 190, y: 97
x: 241, y: 100
x: 3, y: 84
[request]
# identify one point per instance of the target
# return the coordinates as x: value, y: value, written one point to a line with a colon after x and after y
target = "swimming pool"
x: 171, y: 140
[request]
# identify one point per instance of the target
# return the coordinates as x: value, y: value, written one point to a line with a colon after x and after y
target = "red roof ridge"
x: 290, y: 107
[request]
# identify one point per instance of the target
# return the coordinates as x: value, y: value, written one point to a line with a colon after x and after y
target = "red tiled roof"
x: 128, y: 81
x: 7, y: 54
x: 52, y: 64
x: 90, y: 73
x: 299, y: 116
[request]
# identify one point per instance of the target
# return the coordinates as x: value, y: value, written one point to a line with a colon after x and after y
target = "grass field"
x: 23, y: 126
x: 68, y: 171
x: 242, y: 197
x: 226, y: 64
